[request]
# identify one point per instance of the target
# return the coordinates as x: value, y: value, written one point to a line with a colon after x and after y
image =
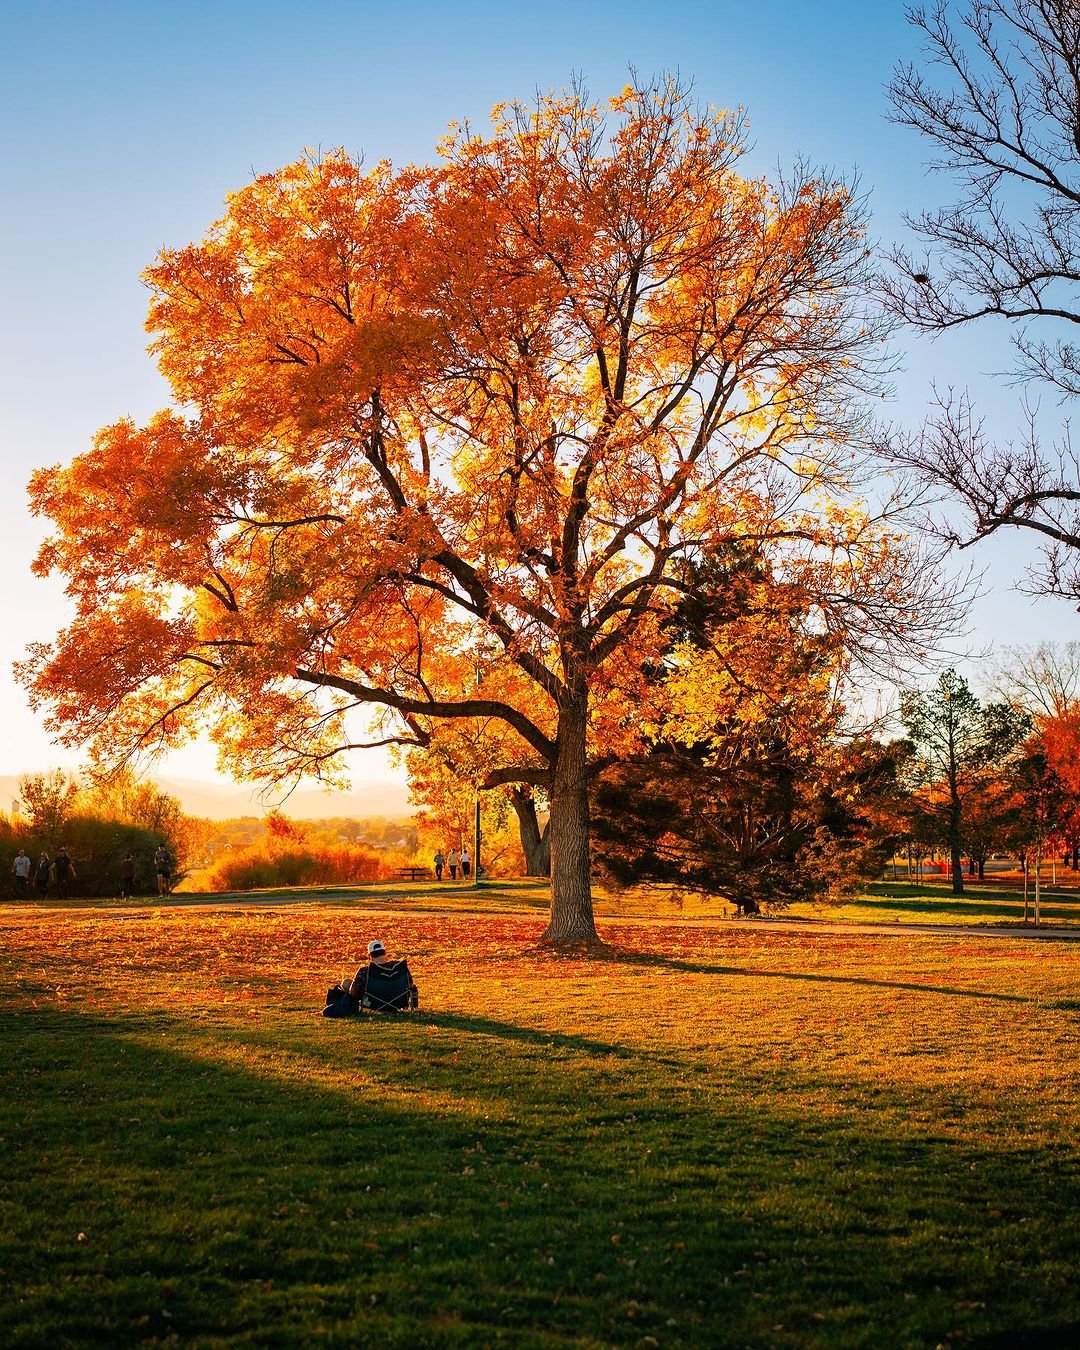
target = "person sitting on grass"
x: 380, y: 986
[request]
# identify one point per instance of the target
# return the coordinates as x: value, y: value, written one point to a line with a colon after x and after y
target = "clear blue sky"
x: 125, y: 124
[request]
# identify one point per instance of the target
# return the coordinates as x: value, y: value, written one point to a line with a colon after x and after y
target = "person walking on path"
x: 163, y: 865
x: 440, y: 863
x: 21, y: 869
x: 453, y: 861
x: 127, y: 877
x: 41, y: 875
x: 466, y: 863
x: 63, y: 870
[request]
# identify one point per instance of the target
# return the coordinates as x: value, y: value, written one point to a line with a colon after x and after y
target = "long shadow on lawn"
x: 511, y: 1031
x: 999, y: 907
x: 656, y: 961
x: 171, y: 1181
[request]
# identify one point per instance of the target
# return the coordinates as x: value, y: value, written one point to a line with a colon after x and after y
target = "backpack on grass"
x: 339, y: 1003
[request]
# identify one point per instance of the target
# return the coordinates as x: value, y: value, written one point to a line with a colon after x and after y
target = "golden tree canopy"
x: 445, y: 437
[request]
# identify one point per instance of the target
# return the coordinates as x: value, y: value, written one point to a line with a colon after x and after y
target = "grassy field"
x: 726, y: 1134
x: 1000, y: 904
x: 997, y: 904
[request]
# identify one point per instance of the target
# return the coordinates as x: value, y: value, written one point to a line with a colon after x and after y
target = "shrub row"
x: 294, y: 864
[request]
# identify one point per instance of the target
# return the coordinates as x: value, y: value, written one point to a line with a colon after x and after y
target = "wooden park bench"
x: 414, y: 873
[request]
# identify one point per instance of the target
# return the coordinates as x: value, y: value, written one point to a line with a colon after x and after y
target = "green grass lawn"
x: 997, y: 904
x: 733, y: 1135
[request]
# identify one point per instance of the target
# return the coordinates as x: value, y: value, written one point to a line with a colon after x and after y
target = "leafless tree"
x: 1043, y: 680
x: 1004, y: 120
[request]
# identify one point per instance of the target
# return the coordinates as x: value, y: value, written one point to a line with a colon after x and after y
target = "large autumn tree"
x: 443, y: 438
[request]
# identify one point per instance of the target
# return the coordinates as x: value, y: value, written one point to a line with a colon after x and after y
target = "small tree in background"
x: 48, y: 800
x: 958, y: 744
x: 1041, y: 804
x: 1044, y: 681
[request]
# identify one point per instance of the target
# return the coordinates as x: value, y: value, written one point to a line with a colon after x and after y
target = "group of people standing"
x: 59, y: 871
x: 451, y: 862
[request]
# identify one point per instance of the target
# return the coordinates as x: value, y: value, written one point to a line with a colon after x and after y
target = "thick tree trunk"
x: 535, y: 843
x: 568, y: 828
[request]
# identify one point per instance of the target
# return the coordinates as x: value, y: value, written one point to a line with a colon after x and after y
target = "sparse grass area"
x: 736, y: 1135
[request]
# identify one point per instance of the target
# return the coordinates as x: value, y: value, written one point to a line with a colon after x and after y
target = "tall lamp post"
x: 477, y: 834
x: 476, y: 842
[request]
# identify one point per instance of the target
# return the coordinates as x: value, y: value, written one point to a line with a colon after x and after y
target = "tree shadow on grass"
x: 657, y: 961
x: 985, y: 906
x: 511, y: 1031
x: 231, y: 1188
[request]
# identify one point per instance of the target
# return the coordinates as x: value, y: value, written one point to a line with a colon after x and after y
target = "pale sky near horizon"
x: 127, y: 123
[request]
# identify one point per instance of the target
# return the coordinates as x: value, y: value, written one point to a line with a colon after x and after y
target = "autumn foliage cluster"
x: 293, y: 853
x: 450, y: 442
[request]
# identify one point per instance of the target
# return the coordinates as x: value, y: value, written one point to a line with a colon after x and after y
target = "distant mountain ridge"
x: 223, y: 801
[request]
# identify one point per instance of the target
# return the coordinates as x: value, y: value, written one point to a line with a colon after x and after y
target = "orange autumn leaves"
x: 901, y: 1001
x: 446, y: 437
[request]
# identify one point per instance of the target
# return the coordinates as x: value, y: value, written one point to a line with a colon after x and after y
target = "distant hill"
x: 222, y: 801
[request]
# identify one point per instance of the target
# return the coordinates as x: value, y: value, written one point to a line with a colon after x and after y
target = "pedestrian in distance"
x: 127, y: 876
x: 453, y: 861
x: 466, y: 864
x: 21, y: 869
x: 63, y: 872
x: 41, y: 875
x: 440, y: 863
x: 163, y: 866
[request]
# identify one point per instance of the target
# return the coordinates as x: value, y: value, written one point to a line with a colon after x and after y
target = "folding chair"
x: 389, y: 988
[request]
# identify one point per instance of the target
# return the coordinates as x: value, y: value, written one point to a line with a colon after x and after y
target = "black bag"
x: 339, y: 1003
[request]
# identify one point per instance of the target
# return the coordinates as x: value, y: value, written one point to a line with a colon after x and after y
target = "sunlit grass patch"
x: 998, y: 905
x: 737, y: 1135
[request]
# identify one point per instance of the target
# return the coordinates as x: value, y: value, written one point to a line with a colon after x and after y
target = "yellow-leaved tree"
x: 445, y: 437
